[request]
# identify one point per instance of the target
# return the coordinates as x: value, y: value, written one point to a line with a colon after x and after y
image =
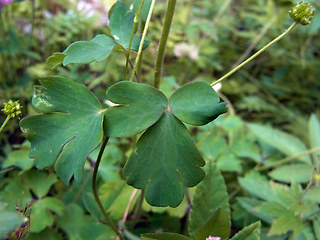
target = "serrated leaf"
x: 96, y: 49
x: 9, y: 220
x: 314, y: 135
x: 284, y: 142
x: 164, y: 160
x: 141, y: 106
x: 251, y: 232
x: 40, y: 182
x: 196, y: 103
x: 121, y: 23
x: 54, y: 61
x: 251, y: 205
x: 210, y: 194
x: 67, y: 129
x: 299, y: 173
x: 218, y: 225
x: 41, y: 213
x: 163, y: 236
x: 286, y: 222
x: 257, y: 187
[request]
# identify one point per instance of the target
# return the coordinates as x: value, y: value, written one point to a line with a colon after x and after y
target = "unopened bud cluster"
x: 302, y: 12
x: 12, y: 109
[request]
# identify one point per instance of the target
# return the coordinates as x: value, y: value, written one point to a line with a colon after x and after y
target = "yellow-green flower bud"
x: 12, y: 109
x: 302, y: 13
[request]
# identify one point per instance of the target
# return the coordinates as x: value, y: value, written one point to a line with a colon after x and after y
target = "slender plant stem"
x: 288, y: 159
x: 255, y: 42
x: 306, y: 190
x: 256, y: 54
x: 145, y: 30
x: 95, y: 193
x: 139, y: 205
x: 4, y: 123
x: 163, y: 41
x: 135, y: 21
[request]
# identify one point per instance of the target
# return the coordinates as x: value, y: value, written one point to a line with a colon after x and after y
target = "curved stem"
x: 4, y: 123
x: 145, y: 30
x: 95, y: 193
x: 256, y: 54
x: 135, y: 21
x: 288, y: 159
x: 163, y: 41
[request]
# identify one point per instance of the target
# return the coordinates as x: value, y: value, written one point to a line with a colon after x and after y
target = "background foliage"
x: 273, y: 117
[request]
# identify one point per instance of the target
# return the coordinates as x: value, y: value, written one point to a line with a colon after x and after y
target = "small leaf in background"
x: 251, y: 205
x: 218, y: 225
x: 164, y: 160
x: 114, y: 197
x: 140, y: 106
x: 196, y: 103
x: 54, y: 61
x: 284, y: 142
x: 228, y: 161
x: 163, y: 236
x: 10, y: 220
x: 97, y: 50
x: 121, y: 23
x: 251, y: 232
x: 257, y: 187
x: 316, y: 226
x: 68, y: 128
x: 19, y: 158
x: 15, y: 192
x: 39, y: 182
x: 299, y: 173
x: 210, y: 194
x: 41, y: 216
x: 285, y: 223
x: 79, y: 226
x: 314, y: 136
x: 213, y: 146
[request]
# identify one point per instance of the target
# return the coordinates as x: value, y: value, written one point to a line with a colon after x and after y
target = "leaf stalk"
x: 256, y: 54
x: 145, y: 30
x: 95, y: 193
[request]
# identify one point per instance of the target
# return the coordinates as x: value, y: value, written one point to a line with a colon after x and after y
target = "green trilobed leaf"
x: 196, y: 103
x: 218, y: 225
x: 67, y: 129
x: 100, y: 47
x: 164, y: 160
x: 141, y: 106
x: 121, y: 23
x: 251, y: 232
x: 88, y: 51
x: 163, y: 236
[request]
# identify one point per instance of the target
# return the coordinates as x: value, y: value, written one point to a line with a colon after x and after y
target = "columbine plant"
x: 71, y: 123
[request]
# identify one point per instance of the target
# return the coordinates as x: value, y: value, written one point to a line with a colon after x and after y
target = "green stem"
x: 95, y: 193
x: 310, y: 184
x: 145, y: 30
x: 288, y: 159
x: 163, y: 41
x: 256, y: 54
x: 4, y: 123
x: 135, y: 21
